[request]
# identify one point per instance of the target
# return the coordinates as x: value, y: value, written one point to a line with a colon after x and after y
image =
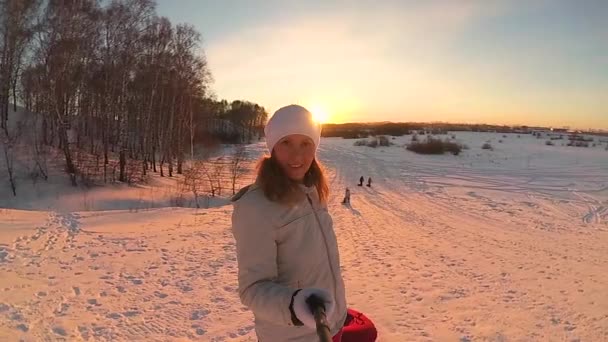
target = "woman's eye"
x: 285, y: 142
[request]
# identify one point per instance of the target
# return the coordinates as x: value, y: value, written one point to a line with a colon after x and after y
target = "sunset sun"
x: 320, y: 114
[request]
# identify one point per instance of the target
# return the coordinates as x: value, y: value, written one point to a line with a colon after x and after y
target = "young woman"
x: 286, y: 246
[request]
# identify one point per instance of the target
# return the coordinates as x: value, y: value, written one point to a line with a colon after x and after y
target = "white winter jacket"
x: 279, y: 250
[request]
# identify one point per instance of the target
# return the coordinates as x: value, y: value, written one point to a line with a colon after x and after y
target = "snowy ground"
x: 502, y: 245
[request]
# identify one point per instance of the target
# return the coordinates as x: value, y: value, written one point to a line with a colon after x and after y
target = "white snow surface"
x: 509, y: 244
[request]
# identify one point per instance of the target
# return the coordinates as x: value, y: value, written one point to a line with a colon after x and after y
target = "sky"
x: 537, y: 62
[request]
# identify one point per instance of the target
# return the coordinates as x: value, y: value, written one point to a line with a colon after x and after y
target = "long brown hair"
x: 278, y: 187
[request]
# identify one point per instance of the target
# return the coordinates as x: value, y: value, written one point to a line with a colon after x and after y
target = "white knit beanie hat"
x: 288, y: 120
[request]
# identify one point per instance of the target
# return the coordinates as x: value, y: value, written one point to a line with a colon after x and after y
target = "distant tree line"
x: 362, y: 130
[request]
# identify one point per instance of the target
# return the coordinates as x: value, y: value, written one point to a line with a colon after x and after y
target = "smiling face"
x: 295, y: 153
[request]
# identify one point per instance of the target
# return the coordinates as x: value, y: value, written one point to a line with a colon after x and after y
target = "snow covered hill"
x: 509, y: 244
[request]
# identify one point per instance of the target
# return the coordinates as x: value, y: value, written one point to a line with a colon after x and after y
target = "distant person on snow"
x: 361, y: 180
x: 346, y: 196
x: 285, y: 242
x: 369, y: 181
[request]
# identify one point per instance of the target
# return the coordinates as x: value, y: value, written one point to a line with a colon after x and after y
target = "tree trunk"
x: 154, y: 159
x: 123, y: 163
x: 15, y: 95
x: 70, y: 167
x: 170, y: 163
x: 106, y: 161
x: 44, y: 131
x: 180, y: 161
x: 4, y: 113
x: 9, y: 166
x: 162, y: 161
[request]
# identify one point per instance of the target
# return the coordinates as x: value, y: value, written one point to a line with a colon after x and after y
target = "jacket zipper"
x: 331, y: 267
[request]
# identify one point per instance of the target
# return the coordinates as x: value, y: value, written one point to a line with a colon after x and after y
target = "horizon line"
x: 465, y: 124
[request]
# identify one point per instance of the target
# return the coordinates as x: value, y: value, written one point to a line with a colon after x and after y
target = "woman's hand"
x: 303, y: 311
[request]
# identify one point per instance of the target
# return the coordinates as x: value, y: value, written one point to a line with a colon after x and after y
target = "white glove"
x: 303, y: 312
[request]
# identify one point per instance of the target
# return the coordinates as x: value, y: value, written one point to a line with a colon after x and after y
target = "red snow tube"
x: 358, y: 328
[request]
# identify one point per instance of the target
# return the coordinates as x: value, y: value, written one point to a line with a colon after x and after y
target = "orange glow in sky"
x: 496, y: 62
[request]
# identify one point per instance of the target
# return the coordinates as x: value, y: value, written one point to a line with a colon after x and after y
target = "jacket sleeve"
x: 256, y: 252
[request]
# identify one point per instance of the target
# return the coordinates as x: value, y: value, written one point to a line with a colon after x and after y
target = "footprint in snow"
x: 198, y: 314
x: 114, y: 315
x: 131, y: 313
x: 160, y: 294
x: 60, y: 331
